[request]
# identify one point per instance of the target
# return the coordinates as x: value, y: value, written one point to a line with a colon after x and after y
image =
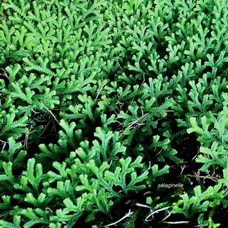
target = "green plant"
x: 102, y: 101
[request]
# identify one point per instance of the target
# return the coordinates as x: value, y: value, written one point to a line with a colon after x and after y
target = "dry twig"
x: 124, y: 217
x: 50, y: 112
x: 162, y: 209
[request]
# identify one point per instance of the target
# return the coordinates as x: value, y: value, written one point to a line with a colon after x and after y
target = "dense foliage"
x: 107, y: 106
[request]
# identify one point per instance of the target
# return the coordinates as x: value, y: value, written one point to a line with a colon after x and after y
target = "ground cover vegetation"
x: 113, y: 113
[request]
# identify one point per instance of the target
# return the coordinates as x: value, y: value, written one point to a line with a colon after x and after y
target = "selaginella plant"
x: 99, y: 102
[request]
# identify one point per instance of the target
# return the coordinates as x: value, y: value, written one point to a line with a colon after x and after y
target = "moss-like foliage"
x: 113, y: 113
